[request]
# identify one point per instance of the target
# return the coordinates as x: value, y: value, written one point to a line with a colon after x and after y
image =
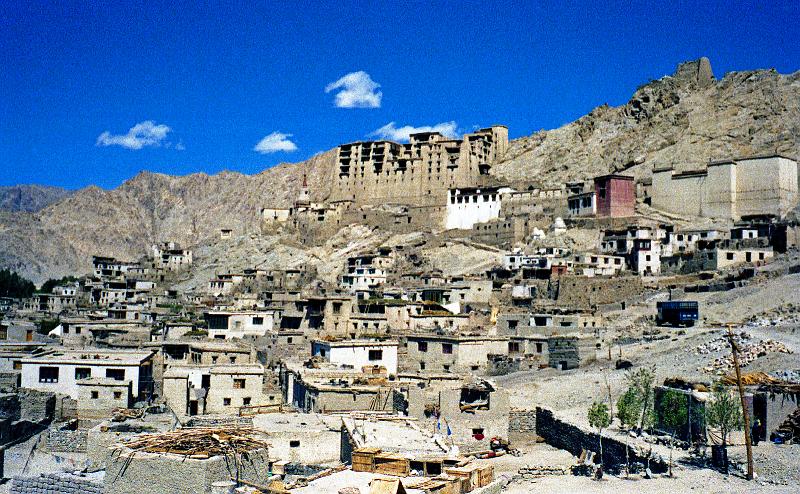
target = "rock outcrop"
x: 683, y: 120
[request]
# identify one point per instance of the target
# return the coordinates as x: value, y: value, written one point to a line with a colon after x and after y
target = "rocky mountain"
x: 150, y: 207
x: 684, y: 120
x: 30, y: 198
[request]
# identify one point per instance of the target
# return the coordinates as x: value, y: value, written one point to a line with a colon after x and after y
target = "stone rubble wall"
x: 67, y: 441
x: 563, y: 435
x: 521, y: 423
x: 52, y: 483
x: 219, y: 420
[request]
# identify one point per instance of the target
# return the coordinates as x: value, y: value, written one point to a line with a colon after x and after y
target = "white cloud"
x: 146, y: 133
x: 393, y: 133
x: 277, y: 141
x: 358, y: 90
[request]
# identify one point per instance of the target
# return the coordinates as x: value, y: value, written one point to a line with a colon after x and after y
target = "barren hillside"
x: 684, y: 119
x: 681, y: 120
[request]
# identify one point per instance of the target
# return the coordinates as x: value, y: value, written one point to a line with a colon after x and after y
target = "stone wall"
x: 28, y: 405
x: 579, y: 291
x: 66, y: 441
x: 159, y: 473
x: 563, y: 435
x: 51, y: 483
x: 521, y: 424
x: 9, y: 381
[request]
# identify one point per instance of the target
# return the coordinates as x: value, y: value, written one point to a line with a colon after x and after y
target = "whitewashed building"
x: 358, y: 353
x: 466, y: 207
x: 59, y: 371
x: 238, y: 324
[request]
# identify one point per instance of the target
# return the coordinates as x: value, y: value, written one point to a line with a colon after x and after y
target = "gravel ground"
x: 569, y: 393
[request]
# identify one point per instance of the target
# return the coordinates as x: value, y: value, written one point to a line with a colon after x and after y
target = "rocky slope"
x: 30, y: 198
x: 124, y: 222
x: 684, y: 119
x: 681, y: 120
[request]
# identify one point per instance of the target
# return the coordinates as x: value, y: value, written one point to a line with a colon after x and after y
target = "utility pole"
x: 747, y: 440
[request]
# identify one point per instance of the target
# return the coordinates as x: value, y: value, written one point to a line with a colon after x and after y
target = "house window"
x: 513, y: 346
x: 422, y: 366
x: 82, y: 373
x: 95, y: 395
x: 233, y: 360
x: 729, y: 256
x: 538, y: 348
x: 422, y: 346
x: 48, y: 374
x: 258, y: 321
x: 226, y: 402
x: 214, y: 359
x: 238, y: 384
x: 446, y: 367
x: 337, y: 307
x: 447, y: 348
x: 246, y: 401
x: 294, y: 443
x: 375, y: 355
x: 17, y: 365
x: 117, y: 395
x: 116, y: 374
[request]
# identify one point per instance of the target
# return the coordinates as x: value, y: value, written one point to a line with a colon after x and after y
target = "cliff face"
x: 683, y: 120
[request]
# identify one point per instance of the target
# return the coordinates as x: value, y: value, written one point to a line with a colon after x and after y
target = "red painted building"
x: 615, y: 195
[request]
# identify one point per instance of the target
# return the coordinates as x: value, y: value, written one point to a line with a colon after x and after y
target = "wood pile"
x: 199, y: 442
x: 751, y: 379
x: 122, y: 414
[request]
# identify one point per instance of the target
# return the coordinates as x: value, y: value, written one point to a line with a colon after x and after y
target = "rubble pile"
x: 783, y: 315
x: 749, y: 351
x: 791, y: 376
x: 789, y: 430
x: 537, y: 471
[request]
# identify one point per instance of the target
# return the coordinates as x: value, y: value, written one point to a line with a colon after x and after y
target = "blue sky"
x: 202, y: 85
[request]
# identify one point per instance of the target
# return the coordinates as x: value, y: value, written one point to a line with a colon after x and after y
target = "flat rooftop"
x: 356, y: 343
x: 90, y: 357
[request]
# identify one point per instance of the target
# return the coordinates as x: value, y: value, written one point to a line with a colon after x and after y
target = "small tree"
x: 628, y: 409
x: 673, y: 416
x: 724, y: 412
x: 599, y: 419
x: 641, y: 381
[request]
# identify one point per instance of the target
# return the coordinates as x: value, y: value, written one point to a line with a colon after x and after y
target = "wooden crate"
x: 468, y: 475
x: 392, y: 464
x: 451, y: 486
x: 363, y: 459
x: 485, y: 475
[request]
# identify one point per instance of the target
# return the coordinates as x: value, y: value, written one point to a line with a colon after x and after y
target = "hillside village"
x: 429, y: 325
